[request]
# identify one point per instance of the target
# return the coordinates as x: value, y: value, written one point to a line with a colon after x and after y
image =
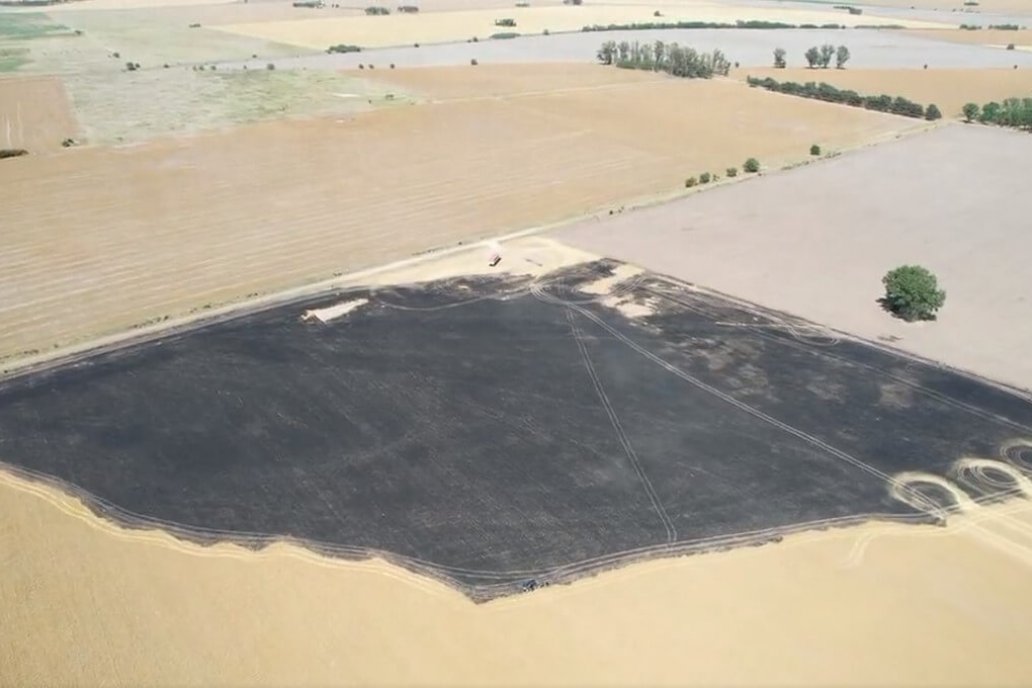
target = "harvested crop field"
x: 982, y: 37
x: 440, y: 27
x: 871, y: 49
x: 816, y: 242
x: 141, y: 608
x: 35, y: 114
x: 507, y: 431
x: 174, y: 226
x: 949, y: 89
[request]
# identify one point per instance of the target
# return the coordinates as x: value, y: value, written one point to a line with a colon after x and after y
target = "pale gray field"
x: 815, y: 241
x: 873, y: 49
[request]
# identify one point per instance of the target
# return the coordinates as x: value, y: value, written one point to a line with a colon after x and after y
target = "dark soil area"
x: 494, y: 432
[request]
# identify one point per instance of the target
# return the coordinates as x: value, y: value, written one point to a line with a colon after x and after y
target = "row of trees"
x: 817, y: 57
x: 831, y: 94
x: 740, y: 24
x: 1012, y: 112
x: 671, y: 58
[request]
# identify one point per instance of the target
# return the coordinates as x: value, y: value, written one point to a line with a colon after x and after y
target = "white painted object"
x: 335, y: 311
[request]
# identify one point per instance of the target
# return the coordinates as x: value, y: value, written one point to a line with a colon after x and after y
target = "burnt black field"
x: 498, y: 433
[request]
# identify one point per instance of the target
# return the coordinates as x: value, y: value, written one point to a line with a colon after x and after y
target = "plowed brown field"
x: 99, y: 240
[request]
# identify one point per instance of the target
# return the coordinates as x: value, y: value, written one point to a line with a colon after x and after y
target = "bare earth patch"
x: 949, y: 89
x: 35, y: 114
x: 816, y: 242
x: 170, y: 227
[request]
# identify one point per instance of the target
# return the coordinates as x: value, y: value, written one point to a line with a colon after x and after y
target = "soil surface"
x: 816, y: 241
x: 504, y: 433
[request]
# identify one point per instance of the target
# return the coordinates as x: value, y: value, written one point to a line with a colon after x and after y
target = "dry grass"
x: 439, y: 27
x: 163, y: 228
x: 949, y: 89
x: 34, y: 114
x: 87, y: 604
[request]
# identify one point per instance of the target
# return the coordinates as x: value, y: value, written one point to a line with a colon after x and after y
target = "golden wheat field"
x: 98, y: 240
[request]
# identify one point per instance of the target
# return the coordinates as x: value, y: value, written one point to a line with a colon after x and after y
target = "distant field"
x: 34, y: 114
x: 984, y: 6
x: 816, y: 241
x: 139, y: 106
x: 401, y: 29
x: 980, y: 37
x: 167, y: 227
x: 949, y: 89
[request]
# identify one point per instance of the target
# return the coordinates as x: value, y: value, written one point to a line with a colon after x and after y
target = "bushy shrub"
x: 474, y: 62
x: 344, y: 48
x: 815, y: 149
x: 270, y: 67
x: 12, y: 152
x: 912, y: 293
x: 932, y: 113
x: 732, y: 172
x: 751, y: 165
x: 508, y: 21
x: 690, y: 182
x: 1010, y: 46
x: 504, y: 35
x: 704, y: 178
x: 377, y: 11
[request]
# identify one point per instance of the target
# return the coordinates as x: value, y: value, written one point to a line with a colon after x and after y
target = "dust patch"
x: 606, y: 284
x: 895, y: 395
x: 826, y: 389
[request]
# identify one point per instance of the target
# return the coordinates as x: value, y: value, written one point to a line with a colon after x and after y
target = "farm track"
x: 99, y: 240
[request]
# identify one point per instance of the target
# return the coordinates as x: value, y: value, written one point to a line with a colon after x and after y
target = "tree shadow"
x: 888, y: 307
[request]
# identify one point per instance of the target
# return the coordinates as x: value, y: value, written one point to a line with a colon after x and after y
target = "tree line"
x: 828, y: 93
x: 817, y: 57
x: 671, y: 58
x: 740, y: 24
x: 1012, y: 112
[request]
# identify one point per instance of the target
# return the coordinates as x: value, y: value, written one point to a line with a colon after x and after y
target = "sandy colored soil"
x: 439, y: 27
x: 816, y: 241
x: 874, y: 605
x: 129, y: 4
x: 950, y: 89
x: 508, y: 81
x: 35, y: 114
x: 984, y: 6
x: 983, y: 37
x: 165, y: 228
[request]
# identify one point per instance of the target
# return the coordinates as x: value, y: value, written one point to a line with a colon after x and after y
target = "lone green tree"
x: 813, y: 57
x: 970, y: 111
x: 932, y: 113
x: 779, y: 58
x: 841, y: 57
x: 751, y: 165
x: 912, y: 293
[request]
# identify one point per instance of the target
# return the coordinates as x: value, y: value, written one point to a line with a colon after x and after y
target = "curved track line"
x: 540, y: 293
